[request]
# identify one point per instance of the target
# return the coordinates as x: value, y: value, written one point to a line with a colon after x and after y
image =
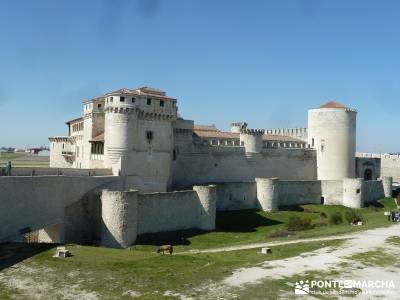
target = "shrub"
x: 336, y: 218
x: 323, y: 214
x: 353, y: 216
x: 297, y: 223
x: 279, y: 233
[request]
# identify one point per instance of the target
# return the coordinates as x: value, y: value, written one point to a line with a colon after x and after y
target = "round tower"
x: 353, y: 192
x: 267, y: 193
x: 332, y: 132
x: 119, y: 127
x: 237, y: 127
x: 208, y: 199
x: 251, y: 139
x: 387, y: 183
x: 119, y: 217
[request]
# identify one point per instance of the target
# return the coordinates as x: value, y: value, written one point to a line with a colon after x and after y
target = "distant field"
x: 24, y: 160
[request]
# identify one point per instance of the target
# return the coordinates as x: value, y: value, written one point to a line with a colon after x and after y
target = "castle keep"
x: 156, y: 171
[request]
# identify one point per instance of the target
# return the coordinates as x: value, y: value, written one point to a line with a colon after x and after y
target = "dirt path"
x: 270, y: 244
x: 328, y: 259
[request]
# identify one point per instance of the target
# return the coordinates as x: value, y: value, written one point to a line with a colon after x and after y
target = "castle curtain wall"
x: 203, y: 164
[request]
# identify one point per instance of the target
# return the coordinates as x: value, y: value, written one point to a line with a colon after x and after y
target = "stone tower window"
x: 148, y: 101
x: 161, y: 103
x: 133, y: 100
x: 99, y: 105
x: 121, y: 99
x: 149, y: 135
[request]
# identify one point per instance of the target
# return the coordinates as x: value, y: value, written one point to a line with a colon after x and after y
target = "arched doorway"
x: 368, y: 174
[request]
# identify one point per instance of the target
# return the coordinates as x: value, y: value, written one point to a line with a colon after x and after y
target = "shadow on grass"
x: 178, y: 237
x: 374, y: 205
x: 242, y: 221
x: 291, y: 208
x: 226, y: 221
x: 13, y: 253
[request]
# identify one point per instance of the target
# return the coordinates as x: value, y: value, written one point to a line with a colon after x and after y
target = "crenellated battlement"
x: 348, y: 109
x: 242, y: 124
x: 297, y: 132
x: 379, y: 155
x: 287, y: 131
x: 140, y: 113
x: 252, y: 131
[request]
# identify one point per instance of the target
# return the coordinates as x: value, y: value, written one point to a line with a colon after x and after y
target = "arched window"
x: 368, y: 174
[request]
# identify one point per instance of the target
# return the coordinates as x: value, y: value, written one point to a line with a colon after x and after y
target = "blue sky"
x: 263, y: 62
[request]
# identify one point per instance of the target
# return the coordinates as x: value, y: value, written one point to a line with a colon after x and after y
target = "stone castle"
x: 151, y: 170
x: 138, y: 133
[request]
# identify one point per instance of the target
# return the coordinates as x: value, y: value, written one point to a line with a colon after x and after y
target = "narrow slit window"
x: 149, y: 135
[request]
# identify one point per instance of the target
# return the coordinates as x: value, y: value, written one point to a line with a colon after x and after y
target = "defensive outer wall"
x: 85, y: 208
x: 128, y: 214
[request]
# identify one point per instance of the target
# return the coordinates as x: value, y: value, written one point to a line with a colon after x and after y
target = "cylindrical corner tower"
x: 208, y: 198
x: 332, y: 132
x: 387, y: 183
x: 353, y: 192
x: 119, y: 215
x: 119, y: 130
x: 267, y: 193
x: 251, y: 139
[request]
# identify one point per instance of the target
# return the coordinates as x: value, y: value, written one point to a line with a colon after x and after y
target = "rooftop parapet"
x: 378, y: 155
x: 253, y: 131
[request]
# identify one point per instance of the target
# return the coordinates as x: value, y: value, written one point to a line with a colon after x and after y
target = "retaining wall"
x: 32, y: 203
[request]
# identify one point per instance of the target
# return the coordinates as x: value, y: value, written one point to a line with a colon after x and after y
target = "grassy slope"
x: 244, y: 227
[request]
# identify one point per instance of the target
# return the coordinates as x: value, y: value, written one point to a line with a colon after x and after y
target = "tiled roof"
x: 205, y: 127
x: 98, y: 138
x: 145, y: 91
x: 332, y: 104
x: 216, y: 134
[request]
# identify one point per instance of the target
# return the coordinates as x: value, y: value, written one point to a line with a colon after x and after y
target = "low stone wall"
x: 299, y: 192
x: 236, y: 196
x: 168, y: 211
x: 332, y: 192
x: 32, y: 203
x: 127, y: 214
x: 373, y: 190
x: 25, y: 171
x: 271, y: 193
